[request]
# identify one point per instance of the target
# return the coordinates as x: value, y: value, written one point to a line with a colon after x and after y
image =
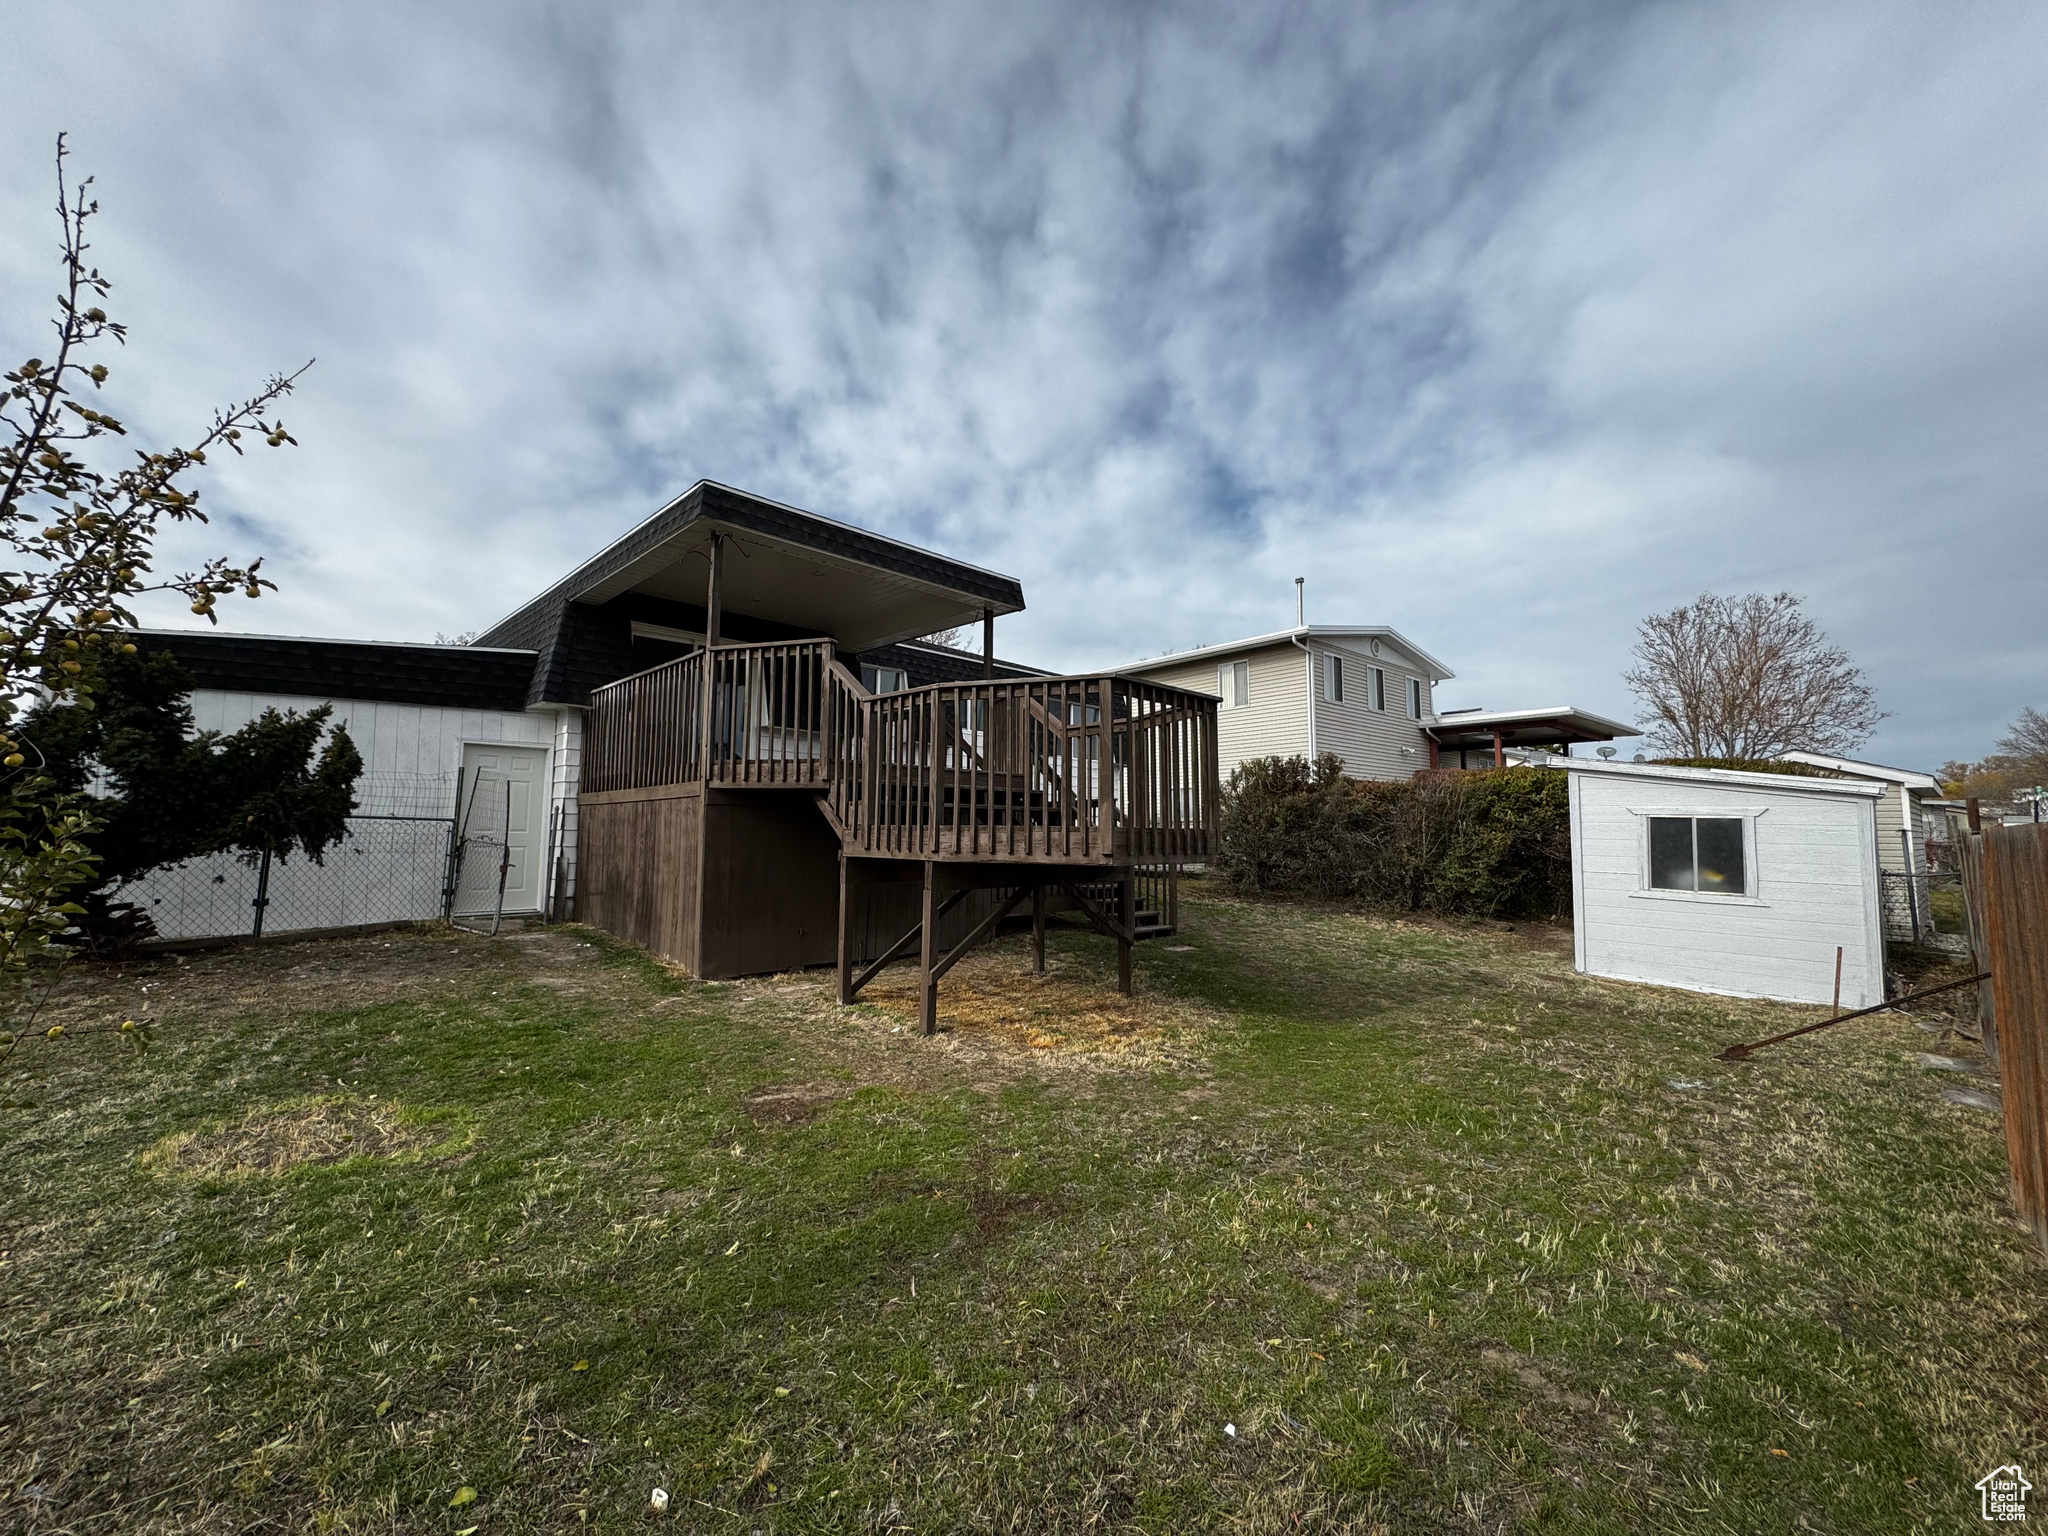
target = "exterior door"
x: 503, y: 821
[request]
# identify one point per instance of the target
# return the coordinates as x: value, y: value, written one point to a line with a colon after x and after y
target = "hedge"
x: 1488, y: 844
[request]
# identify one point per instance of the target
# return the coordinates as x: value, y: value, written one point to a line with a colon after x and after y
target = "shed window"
x: 1376, y: 685
x: 1234, y: 682
x: 1414, y: 698
x: 1698, y: 853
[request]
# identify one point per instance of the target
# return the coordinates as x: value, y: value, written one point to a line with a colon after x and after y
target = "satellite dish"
x: 1606, y: 752
x: 1639, y: 757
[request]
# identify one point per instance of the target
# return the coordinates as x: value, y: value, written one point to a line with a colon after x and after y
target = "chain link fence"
x: 411, y: 854
x: 1925, y: 907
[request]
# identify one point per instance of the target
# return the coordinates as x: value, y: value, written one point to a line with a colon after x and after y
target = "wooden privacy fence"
x: 2012, y: 875
x: 1104, y: 770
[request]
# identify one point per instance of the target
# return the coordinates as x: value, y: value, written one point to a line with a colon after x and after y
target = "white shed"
x: 1738, y: 883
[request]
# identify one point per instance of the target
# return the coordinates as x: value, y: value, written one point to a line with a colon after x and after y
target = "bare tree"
x: 954, y: 639
x: 2021, y: 761
x: 1747, y: 677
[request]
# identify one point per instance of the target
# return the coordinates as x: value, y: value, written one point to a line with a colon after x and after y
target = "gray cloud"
x: 1502, y: 323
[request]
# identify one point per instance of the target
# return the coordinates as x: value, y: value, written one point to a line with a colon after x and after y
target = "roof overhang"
x: 791, y: 567
x: 1360, y: 634
x: 1523, y: 727
x: 1911, y: 778
x: 1801, y: 784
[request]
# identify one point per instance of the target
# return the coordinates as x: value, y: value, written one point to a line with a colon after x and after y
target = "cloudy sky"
x: 1504, y: 324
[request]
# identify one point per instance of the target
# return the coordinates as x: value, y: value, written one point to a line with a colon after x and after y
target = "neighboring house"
x: 1364, y: 692
x: 1907, y: 815
x: 1748, y: 884
x: 768, y: 733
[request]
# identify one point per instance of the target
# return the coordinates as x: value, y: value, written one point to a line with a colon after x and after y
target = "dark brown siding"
x: 640, y: 867
x: 771, y: 864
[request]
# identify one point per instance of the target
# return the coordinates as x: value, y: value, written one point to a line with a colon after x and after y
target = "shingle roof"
x: 451, y: 676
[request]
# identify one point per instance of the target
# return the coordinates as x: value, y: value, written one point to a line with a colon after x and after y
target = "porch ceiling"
x: 820, y: 591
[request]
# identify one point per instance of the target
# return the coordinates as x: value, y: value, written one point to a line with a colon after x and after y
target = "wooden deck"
x: 754, y: 808
x: 1097, y: 770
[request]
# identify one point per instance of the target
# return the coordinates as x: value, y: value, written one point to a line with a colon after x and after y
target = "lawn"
x: 1343, y: 1224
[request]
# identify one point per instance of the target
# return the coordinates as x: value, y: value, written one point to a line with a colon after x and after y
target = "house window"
x: 1333, y: 679
x: 1698, y: 853
x: 1234, y: 683
x: 1376, y: 685
x: 884, y: 679
x: 1414, y: 698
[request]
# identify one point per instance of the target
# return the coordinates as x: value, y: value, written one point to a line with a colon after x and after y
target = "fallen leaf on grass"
x: 1776, y: 1452
x: 580, y: 1365
x: 463, y: 1495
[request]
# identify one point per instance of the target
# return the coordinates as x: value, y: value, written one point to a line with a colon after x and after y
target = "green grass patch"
x: 1448, y: 1237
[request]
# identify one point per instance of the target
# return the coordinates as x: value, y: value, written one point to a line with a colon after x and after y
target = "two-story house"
x: 1363, y: 691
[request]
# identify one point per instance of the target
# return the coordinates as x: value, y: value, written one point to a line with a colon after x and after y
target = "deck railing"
x: 1104, y: 769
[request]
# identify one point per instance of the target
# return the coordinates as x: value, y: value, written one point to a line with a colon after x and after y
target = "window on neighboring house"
x: 1414, y: 698
x: 1333, y: 679
x: 884, y: 679
x: 1376, y: 685
x: 1234, y: 683
x: 1698, y: 853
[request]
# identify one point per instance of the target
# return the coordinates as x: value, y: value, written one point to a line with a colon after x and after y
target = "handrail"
x: 1098, y: 769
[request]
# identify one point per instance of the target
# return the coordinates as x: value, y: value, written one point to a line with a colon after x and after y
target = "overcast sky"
x: 1503, y: 324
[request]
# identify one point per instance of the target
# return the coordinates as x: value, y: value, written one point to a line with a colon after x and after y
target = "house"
x: 1364, y: 692
x: 1748, y: 884
x: 1906, y: 815
x: 722, y: 737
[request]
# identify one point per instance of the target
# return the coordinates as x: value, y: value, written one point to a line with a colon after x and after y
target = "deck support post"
x: 711, y: 595
x: 845, y: 931
x: 988, y: 642
x: 1500, y: 756
x: 1127, y: 916
x: 928, y: 983
x: 1038, y: 929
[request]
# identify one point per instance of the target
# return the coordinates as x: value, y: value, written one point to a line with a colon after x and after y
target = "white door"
x: 504, y: 825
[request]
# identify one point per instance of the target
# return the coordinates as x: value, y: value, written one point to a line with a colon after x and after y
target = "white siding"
x: 568, y: 771
x: 388, y: 868
x: 1371, y: 741
x: 1275, y: 721
x: 1813, y: 883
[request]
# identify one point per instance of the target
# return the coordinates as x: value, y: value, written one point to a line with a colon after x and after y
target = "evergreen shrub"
x: 1495, y: 843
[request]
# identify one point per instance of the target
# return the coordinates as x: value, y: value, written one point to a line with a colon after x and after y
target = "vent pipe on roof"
x: 1300, y: 608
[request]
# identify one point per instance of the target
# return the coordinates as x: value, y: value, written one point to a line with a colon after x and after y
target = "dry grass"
x: 993, y: 998
x: 269, y: 1141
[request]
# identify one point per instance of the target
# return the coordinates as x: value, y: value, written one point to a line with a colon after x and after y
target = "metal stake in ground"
x: 1743, y: 1052
x: 504, y: 862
